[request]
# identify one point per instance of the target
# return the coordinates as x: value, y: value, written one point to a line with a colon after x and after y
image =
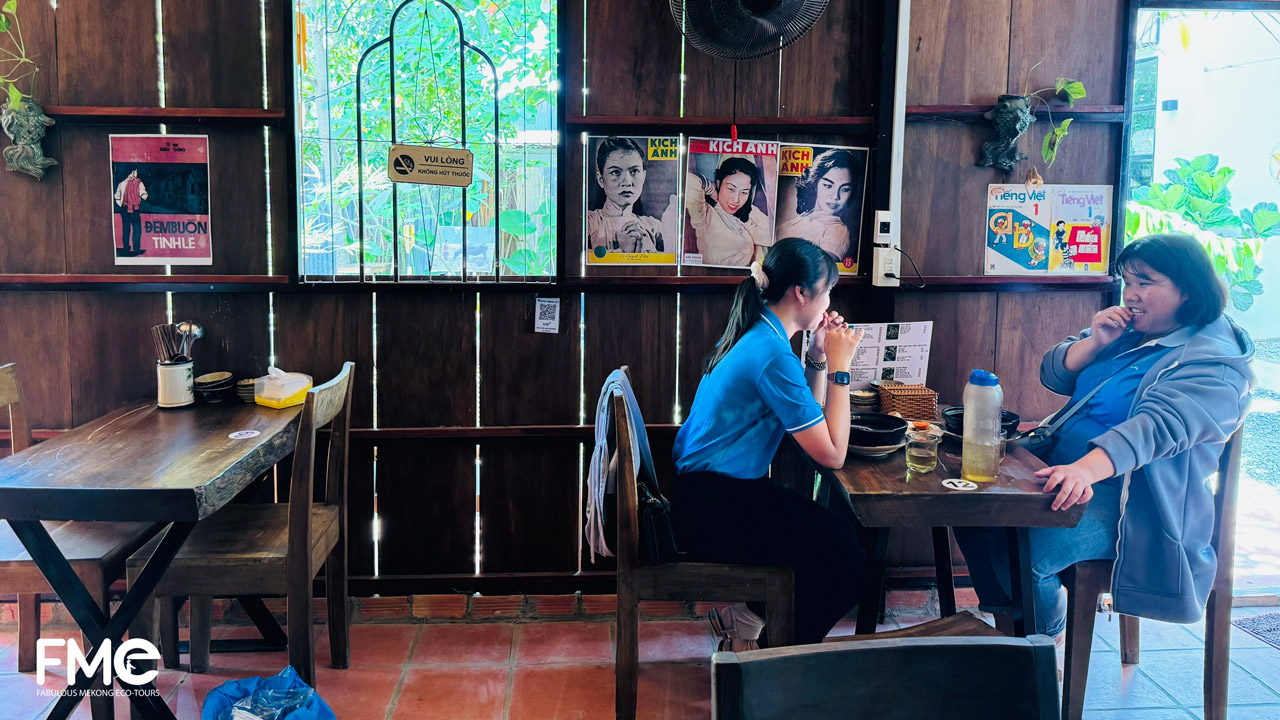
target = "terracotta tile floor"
x: 551, y: 670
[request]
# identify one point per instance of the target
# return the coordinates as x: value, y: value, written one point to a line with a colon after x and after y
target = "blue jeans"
x: 1053, y: 550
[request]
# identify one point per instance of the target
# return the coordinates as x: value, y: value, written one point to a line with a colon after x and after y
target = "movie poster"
x: 633, y: 200
x: 821, y: 189
x: 1052, y: 230
x: 730, y: 198
x: 160, y: 199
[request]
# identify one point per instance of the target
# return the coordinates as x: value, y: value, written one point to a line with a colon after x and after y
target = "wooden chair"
x: 676, y: 580
x: 271, y: 549
x: 889, y: 676
x: 1087, y: 580
x: 97, y: 551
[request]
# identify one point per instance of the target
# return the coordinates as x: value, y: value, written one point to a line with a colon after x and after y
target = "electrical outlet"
x: 885, y: 258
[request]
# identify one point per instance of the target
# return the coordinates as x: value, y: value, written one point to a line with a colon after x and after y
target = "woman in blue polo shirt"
x: 724, y: 507
x: 1139, y: 451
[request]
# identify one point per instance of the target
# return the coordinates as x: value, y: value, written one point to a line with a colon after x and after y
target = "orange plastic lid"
x: 920, y: 425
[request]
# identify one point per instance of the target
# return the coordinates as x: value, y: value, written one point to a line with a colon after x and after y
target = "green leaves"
x: 15, y: 97
x: 1073, y: 90
x: 4, y: 24
x: 1052, y: 141
x: 11, y: 7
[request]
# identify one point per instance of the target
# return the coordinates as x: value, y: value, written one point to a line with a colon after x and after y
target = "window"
x: 416, y: 232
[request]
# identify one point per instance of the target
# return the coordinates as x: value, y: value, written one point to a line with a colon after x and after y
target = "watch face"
x: 842, y: 378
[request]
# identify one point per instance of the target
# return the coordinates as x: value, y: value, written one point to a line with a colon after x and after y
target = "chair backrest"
x: 627, y: 550
x: 1224, y: 507
x: 959, y: 678
x: 11, y: 396
x: 325, y: 404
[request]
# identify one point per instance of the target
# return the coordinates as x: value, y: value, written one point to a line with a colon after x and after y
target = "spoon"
x: 191, y: 331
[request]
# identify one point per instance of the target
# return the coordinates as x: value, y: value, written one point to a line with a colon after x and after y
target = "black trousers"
x: 132, y: 225
x: 760, y: 522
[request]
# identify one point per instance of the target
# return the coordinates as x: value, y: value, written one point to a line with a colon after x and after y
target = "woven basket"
x: 913, y: 402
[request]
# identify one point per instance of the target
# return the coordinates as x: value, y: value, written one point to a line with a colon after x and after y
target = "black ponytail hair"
x: 607, y: 147
x: 790, y: 262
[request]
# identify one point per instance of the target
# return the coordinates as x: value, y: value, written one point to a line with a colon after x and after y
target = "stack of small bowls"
x: 213, y: 386
x: 244, y: 389
x: 864, y: 401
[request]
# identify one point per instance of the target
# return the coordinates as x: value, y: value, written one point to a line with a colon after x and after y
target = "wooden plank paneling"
x: 703, y: 317
x: 237, y: 200
x: 113, y: 359
x: 39, y: 35
x: 282, y: 186
x: 964, y: 336
x: 33, y: 334
x: 235, y: 331
x: 573, y: 233
x: 316, y: 333
x: 1085, y: 44
x: 575, y: 53
x: 834, y: 69
x: 639, y: 331
x: 528, y: 378
x: 1087, y: 156
x: 633, y: 59
x: 426, y: 360
x: 213, y: 52
x: 959, y: 51
x: 426, y: 507
x: 710, y: 88
x: 87, y: 205
x: 107, y: 54
x: 32, y: 215
x: 528, y: 506
x: 360, y: 503
x: 945, y: 233
x: 1030, y: 324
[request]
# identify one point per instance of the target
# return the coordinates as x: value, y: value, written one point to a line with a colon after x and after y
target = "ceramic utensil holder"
x: 174, y: 384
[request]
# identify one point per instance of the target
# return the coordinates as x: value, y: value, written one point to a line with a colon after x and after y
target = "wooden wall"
x: 426, y: 467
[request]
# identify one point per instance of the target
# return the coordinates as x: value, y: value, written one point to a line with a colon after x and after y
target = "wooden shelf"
x: 973, y: 113
x: 103, y: 114
x: 146, y: 283
x: 854, y: 124
x: 1016, y: 283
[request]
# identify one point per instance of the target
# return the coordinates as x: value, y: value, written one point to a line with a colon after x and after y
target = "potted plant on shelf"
x: 20, y: 115
x: 1013, y: 114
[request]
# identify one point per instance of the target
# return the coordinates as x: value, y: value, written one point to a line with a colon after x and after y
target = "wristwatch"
x: 839, y: 378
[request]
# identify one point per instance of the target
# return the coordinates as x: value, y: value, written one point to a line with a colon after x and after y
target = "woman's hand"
x: 818, y: 344
x: 1108, y: 325
x: 841, y: 342
x: 1077, y: 479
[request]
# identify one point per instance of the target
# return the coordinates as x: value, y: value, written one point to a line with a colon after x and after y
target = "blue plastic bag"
x: 285, y: 692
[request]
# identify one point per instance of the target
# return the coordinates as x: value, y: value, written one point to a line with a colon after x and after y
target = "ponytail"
x: 789, y: 263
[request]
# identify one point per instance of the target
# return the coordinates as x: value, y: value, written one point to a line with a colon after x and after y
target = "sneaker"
x: 1060, y: 646
x: 722, y: 624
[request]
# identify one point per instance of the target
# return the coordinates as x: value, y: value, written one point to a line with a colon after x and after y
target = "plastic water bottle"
x: 983, y: 399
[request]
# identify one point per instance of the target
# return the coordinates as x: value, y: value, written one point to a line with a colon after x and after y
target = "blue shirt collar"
x: 772, y: 320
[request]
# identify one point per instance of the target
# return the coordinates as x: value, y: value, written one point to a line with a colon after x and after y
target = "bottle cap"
x: 920, y: 425
x: 982, y: 377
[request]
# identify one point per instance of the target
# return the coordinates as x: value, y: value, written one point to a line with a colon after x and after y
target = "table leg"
x: 877, y: 544
x: 1024, y: 611
x: 942, y: 569
x: 93, y: 622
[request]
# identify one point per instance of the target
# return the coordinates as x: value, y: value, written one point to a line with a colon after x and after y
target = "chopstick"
x: 166, y: 342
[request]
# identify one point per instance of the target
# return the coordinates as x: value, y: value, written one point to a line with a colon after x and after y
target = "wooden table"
x: 884, y: 497
x: 139, y: 463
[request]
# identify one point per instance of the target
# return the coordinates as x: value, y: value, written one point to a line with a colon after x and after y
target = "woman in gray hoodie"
x: 1139, y: 452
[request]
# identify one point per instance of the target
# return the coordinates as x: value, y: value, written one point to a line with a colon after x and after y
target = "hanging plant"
x: 1013, y: 114
x: 21, y: 116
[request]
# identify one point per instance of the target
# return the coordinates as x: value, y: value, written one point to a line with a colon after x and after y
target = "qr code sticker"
x: 547, y: 317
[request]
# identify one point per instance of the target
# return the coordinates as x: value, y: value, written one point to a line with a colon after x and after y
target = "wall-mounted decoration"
x: 1053, y: 230
x: 742, y: 29
x: 1013, y: 114
x: 821, y: 189
x: 730, y: 195
x: 160, y: 199
x: 633, y: 200
x: 21, y: 117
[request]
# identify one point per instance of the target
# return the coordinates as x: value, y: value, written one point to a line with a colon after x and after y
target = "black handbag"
x: 657, y: 537
x: 1039, y: 441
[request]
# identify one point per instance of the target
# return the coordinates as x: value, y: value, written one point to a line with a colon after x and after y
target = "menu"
x: 891, y: 351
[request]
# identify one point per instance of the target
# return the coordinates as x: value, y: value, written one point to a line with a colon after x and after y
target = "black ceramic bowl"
x: 876, y: 430
x: 954, y: 419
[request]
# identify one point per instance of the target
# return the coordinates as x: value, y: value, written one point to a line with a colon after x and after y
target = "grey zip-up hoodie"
x: 1184, y: 410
